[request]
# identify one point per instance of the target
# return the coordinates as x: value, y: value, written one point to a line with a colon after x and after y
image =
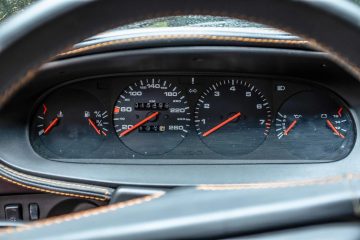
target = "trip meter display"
x: 151, y: 116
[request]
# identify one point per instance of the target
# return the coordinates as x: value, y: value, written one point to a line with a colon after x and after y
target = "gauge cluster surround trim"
x: 316, y: 67
x: 174, y: 111
x: 56, y: 187
x: 104, y: 45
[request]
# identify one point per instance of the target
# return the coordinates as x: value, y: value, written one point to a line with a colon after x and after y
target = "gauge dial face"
x: 313, y: 122
x: 151, y: 116
x: 71, y: 122
x: 232, y: 117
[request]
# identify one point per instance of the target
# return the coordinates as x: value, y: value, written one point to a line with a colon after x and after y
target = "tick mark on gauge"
x: 44, y: 109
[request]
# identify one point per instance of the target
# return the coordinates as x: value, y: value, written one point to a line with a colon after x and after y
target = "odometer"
x: 232, y: 117
x: 151, y: 116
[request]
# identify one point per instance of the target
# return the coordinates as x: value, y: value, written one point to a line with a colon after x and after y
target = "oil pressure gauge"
x: 314, y: 122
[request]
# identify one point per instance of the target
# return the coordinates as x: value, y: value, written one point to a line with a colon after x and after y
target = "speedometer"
x: 151, y: 116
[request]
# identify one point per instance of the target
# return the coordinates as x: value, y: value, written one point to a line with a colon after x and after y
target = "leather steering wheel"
x: 50, y: 27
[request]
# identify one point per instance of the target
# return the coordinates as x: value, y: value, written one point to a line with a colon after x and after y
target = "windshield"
x: 192, y: 21
x: 10, y: 7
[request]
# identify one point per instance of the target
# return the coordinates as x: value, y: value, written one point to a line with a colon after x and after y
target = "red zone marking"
x: 44, y: 109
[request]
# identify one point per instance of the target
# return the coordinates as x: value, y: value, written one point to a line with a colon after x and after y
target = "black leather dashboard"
x: 316, y: 72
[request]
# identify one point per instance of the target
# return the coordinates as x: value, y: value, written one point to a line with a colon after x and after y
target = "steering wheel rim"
x: 329, y: 26
x: 29, y: 32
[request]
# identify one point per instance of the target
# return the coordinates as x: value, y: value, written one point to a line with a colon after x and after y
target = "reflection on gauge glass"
x: 70, y: 123
x: 313, y: 125
x: 151, y: 116
x: 232, y: 117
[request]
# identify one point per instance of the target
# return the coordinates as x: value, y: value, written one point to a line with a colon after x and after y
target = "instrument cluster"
x: 192, y: 117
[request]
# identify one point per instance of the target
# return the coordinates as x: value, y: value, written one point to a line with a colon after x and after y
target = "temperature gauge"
x: 44, y: 127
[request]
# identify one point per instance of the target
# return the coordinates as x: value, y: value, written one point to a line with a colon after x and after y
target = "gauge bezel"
x: 335, y: 98
x: 39, y: 140
x: 215, y: 159
x: 245, y: 86
x: 155, y: 144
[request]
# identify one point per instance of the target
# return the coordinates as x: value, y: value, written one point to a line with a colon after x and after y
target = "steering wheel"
x: 50, y: 27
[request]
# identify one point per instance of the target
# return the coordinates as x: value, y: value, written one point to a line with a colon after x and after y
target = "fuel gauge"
x: 98, y: 121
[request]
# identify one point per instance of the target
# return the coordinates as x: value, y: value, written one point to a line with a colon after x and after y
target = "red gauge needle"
x: 51, y: 125
x: 94, y: 126
x: 221, y: 124
x: 292, y: 125
x: 139, y: 124
x: 334, y: 129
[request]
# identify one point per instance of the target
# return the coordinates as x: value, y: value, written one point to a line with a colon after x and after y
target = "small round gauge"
x: 313, y: 125
x: 70, y: 123
x: 232, y: 117
x: 151, y: 116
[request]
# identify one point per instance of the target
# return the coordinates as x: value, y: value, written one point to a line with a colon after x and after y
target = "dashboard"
x: 185, y: 115
x: 217, y: 116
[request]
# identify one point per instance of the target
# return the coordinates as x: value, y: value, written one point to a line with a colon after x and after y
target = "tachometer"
x: 232, y: 117
x: 151, y: 116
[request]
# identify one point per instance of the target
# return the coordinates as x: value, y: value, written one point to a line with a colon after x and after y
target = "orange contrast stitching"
x: 53, y: 192
x: 113, y: 207
x: 294, y: 183
x: 184, y: 36
x: 83, y: 214
x: 105, y: 191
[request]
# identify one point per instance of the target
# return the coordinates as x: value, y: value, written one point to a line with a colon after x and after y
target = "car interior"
x: 192, y: 119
